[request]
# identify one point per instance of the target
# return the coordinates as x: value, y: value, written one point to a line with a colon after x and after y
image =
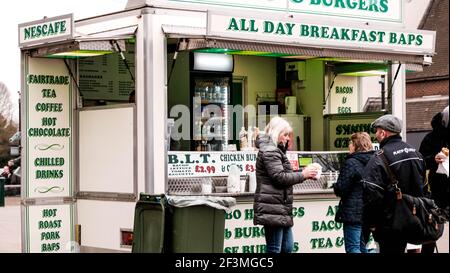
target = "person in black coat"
x: 379, y: 194
x: 274, y: 192
x: 430, y: 147
x: 349, y: 188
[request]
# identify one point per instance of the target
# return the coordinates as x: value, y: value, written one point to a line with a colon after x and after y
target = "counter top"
x: 192, y: 186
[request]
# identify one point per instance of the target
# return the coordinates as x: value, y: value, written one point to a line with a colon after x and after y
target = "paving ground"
x: 10, y: 228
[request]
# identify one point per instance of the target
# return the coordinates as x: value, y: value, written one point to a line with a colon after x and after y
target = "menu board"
x: 344, y: 96
x: 50, y: 229
x: 201, y: 164
x: 210, y: 164
x: 314, y: 225
x: 106, y: 77
x: 48, y: 112
x: 339, y: 128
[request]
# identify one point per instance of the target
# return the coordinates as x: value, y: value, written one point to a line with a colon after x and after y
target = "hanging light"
x: 78, y: 49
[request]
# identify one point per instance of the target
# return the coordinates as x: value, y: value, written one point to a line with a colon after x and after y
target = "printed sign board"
x: 50, y: 228
x: 344, y: 95
x: 211, y: 164
x: 106, y: 77
x: 46, y: 30
x: 383, y: 10
x: 48, y: 110
x: 340, y: 127
x: 314, y: 230
x: 207, y: 164
x: 339, y: 35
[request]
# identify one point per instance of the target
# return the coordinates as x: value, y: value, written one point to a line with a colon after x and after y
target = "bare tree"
x: 7, y: 125
x: 6, y: 105
x: 7, y: 129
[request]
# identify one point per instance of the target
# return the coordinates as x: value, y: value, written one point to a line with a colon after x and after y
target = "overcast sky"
x: 15, y: 12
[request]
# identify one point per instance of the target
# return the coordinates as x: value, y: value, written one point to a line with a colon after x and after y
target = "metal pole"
x: 18, y: 92
x: 383, y: 93
x: 20, y: 125
x: 389, y: 84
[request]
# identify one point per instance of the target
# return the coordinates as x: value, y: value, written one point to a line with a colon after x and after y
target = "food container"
x: 221, y: 189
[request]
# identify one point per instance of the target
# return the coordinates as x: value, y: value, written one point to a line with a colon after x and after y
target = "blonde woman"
x: 274, y: 193
x: 349, y: 188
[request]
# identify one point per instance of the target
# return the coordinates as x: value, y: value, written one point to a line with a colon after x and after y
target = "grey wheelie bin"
x: 180, y: 224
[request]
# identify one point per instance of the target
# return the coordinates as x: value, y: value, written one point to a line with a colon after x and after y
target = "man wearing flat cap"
x: 408, y: 167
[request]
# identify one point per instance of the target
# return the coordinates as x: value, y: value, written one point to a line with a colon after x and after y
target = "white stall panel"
x: 101, y: 222
x: 106, y: 150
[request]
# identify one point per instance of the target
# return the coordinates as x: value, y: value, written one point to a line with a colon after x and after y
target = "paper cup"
x: 242, y: 185
x: 206, y: 188
x: 319, y: 174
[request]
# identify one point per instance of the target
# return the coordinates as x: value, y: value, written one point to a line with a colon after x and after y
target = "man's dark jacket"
x: 408, y: 166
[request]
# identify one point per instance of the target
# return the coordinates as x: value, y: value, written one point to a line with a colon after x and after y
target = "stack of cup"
x: 207, y: 186
x: 252, y: 182
x: 242, y: 185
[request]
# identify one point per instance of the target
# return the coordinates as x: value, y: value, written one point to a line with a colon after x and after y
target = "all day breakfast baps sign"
x: 48, y: 110
x: 379, y: 10
x: 307, y: 33
x: 46, y: 30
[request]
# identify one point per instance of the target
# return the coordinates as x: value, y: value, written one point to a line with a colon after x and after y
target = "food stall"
x: 201, y: 71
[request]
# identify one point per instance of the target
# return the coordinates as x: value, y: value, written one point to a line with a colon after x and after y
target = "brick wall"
x: 420, y: 113
x: 427, y: 88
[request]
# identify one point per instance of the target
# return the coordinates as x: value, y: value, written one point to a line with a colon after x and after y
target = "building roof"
x: 436, y: 19
x: 373, y: 104
x: 420, y: 112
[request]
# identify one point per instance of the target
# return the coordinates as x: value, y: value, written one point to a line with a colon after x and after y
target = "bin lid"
x: 217, y: 202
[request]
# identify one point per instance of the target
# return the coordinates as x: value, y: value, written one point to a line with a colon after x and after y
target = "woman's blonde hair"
x: 361, y: 141
x: 276, y: 127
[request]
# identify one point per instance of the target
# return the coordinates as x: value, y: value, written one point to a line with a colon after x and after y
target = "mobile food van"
x: 199, y: 72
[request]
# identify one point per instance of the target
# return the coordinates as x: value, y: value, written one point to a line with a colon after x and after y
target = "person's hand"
x: 440, y: 157
x: 256, y: 132
x: 309, y: 172
x: 6, y: 170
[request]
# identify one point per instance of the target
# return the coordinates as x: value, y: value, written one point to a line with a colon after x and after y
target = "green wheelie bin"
x: 2, y: 191
x: 180, y: 224
x: 196, y: 229
x: 149, y: 224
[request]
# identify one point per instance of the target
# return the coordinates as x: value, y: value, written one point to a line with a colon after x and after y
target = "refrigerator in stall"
x: 211, y: 93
